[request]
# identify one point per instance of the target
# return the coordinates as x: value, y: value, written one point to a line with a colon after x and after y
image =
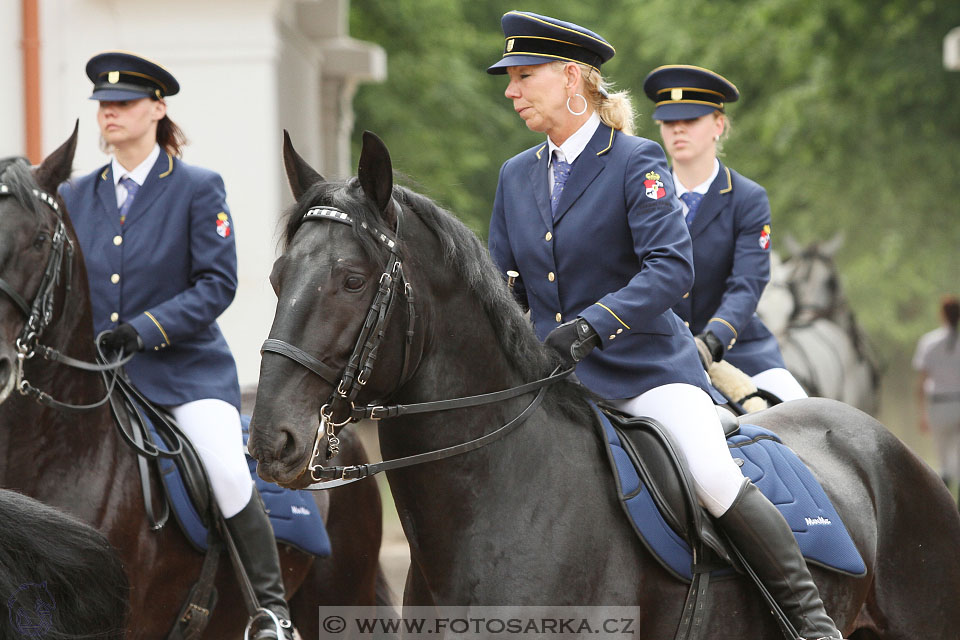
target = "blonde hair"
x: 614, y: 108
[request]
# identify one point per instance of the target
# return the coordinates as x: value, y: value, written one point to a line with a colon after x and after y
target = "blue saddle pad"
x: 777, y: 471
x: 294, y: 515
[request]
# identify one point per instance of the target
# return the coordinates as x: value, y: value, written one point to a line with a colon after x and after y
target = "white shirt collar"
x: 701, y: 188
x: 140, y: 172
x: 576, y: 143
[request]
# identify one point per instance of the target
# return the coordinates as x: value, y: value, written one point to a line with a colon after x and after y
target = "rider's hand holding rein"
x: 573, y: 340
x: 123, y: 339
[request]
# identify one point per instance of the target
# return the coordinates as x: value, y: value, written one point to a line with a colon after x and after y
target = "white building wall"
x: 11, y: 67
x: 247, y: 70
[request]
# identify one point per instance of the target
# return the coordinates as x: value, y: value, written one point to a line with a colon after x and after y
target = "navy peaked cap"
x: 535, y: 39
x: 119, y: 75
x: 684, y: 92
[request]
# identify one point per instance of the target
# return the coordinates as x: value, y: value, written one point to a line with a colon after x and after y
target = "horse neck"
x: 446, y: 505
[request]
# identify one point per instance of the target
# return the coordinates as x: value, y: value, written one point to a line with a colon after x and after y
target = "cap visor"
x: 118, y: 95
x: 517, y: 61
x: 668, y: 112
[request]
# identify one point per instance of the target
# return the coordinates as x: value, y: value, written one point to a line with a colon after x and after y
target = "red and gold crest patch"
x: 765, y: 237
x: 223, y: 225
x: 654, y: 186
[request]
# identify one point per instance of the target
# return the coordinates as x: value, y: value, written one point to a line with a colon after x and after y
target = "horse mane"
x: 463, y: 252
x: 15, y: 173
x: 46, y: 550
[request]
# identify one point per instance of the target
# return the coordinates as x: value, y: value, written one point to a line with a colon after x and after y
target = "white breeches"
x: 780, y: 383
x: 944, y: 420
x: 689, y: 415
x: 213, y: 427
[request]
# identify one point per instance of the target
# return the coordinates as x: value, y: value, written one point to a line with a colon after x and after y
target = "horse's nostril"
x: 289, y: 447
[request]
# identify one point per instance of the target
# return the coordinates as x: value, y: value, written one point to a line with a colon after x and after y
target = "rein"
x: 39, y: 315
x: 340, y: 408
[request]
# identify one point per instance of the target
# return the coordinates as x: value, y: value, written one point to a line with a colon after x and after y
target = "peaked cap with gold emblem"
x: 535, y: 39
x: 120, y: 75
x: 684, y: 92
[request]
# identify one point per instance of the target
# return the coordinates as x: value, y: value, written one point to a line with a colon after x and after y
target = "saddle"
x: 656, y: 492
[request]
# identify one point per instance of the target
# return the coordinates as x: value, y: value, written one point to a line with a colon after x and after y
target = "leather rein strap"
x: 340, y: 408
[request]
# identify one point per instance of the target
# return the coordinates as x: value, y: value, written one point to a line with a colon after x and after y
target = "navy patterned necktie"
x: 132, y: 187
x: 692, y: 200
x: 561, y: 171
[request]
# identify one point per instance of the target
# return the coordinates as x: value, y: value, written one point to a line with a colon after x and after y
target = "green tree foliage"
x: 846, y: 116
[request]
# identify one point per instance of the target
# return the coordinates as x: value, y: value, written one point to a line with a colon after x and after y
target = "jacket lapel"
x: 718, y: 197
x: 107, y: 194
x: 155, y: 184
x: 586, y: 167
x: 541, y: 185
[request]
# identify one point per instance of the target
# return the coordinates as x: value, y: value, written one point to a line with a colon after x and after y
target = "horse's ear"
x: 300, y: 175
x: 831, y: 246
x: 57, y: 166
x: 792, y: 246
x: 376, y: 175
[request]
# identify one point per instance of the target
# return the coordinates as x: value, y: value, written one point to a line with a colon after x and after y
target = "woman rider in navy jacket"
x: 158, y: 245
x: 590, y: 221
x: 729, y: 220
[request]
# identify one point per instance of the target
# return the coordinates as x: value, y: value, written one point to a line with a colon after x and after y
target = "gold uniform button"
x: 118, y: 240
x: 115, y: 278
x: 732, y: 342
x: 551, y: 277
x: 686, y: 295
x: 686, y: 324
x: 548, y: 237
x: 156, y: 348
x: 114, y: 316
x: 612, y: 337
x: 558, y: 317
x: 619, y: 331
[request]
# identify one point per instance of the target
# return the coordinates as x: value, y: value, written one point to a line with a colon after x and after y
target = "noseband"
x: 349, y: 383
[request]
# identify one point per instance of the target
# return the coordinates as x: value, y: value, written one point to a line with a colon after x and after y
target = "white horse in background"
x: 822, y: 344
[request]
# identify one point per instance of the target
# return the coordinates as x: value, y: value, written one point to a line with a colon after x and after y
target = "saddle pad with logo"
x: 777, y: 471
x: 294, y: 515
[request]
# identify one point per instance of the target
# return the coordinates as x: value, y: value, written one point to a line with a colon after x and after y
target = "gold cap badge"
x: 113, y: 77
x: 676, y: 94
x: 510, y: 45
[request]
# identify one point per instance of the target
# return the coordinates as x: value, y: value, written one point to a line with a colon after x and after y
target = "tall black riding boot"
x: 764, y: 538
x: 253, y: 536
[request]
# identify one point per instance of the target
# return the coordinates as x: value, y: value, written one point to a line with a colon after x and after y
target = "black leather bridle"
x: 39, y: 313
x: 340, y: 408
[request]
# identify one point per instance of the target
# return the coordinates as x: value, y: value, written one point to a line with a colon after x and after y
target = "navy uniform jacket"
x: 731, y: 253
x: 618, y: 254
x: 169, y: 271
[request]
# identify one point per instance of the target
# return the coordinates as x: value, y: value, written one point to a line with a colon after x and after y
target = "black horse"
x: 77, y: 462
x: 59, y: 577
x: 532, y: 519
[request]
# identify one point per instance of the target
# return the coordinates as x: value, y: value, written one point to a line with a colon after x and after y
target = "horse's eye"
x: 40, y: 240
x: 353, y: 283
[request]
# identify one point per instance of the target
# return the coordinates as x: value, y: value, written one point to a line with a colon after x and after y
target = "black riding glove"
x: 710, y: 348
x: 122, y: 339
x: 573, y: 340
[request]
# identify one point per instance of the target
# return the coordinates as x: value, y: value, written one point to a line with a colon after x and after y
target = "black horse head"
x: 328, y: 276
x: 30, y: 221
x: 370, y: 274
